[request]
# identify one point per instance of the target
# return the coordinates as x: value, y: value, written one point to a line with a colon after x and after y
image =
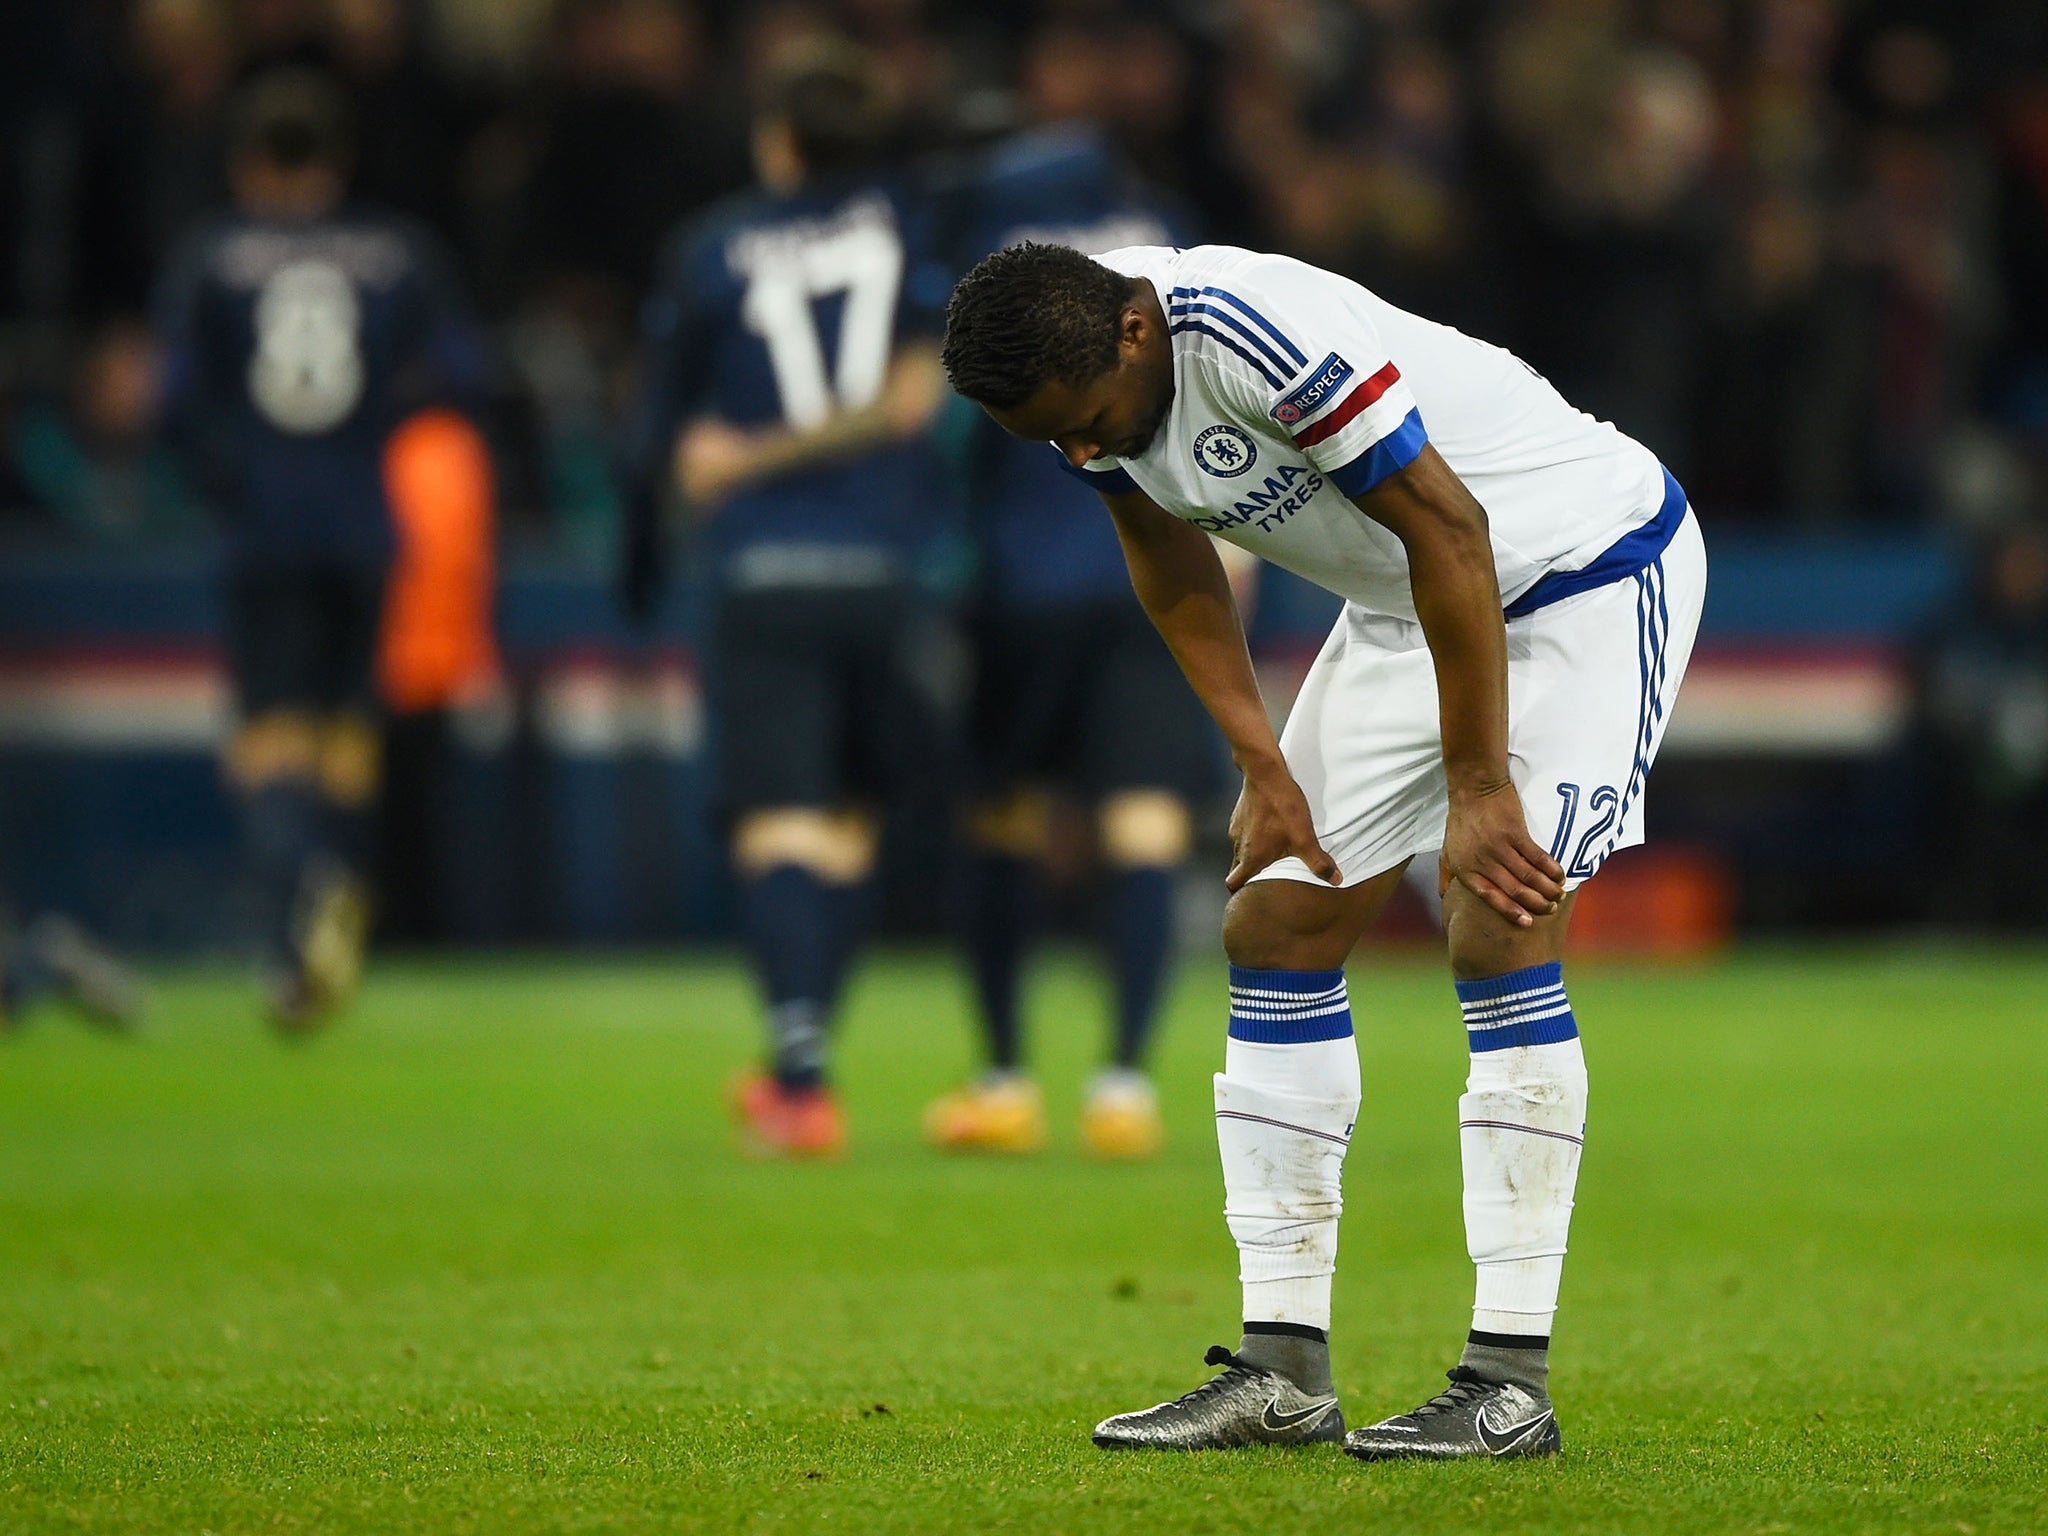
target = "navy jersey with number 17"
x: 778, y: 310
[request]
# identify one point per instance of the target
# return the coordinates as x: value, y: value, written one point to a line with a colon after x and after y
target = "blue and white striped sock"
x: 1525, y: 1007
x: 1290, y: 1032
x: 1285, y: 1104
x: 1522, y: 1125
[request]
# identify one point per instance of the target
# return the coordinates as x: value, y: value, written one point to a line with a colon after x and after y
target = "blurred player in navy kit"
x: 790, y: 374
x: 1074, y: 692
x: 300, y: 329
x: 54, y: 958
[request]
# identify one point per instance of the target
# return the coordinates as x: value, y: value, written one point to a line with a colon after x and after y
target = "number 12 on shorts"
x: 1603, y: 805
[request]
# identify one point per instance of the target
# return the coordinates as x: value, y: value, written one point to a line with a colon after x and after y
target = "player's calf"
x: 803, y: 874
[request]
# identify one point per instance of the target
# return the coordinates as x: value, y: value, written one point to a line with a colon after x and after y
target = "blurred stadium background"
x: 484, y: 1259
x: 1798, y: 246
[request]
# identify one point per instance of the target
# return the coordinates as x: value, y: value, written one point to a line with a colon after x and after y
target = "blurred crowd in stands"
x: 1799, y: 246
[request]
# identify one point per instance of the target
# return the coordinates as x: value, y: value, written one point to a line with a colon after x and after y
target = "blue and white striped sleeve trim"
x: 1111, y: 482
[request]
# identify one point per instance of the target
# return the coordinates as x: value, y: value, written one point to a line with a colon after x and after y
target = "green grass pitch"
x: 485, y: 1260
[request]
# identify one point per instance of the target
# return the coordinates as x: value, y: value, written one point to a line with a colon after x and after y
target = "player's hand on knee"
x: 1271, y: 823
x: 1488, y: 850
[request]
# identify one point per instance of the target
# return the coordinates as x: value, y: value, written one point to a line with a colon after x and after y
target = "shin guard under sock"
x: 1522, y: 1125
x: 1285, y: 1105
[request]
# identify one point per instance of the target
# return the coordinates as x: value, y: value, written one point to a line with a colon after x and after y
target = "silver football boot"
x: 1246, y: 1405
x: 1472, y: 1417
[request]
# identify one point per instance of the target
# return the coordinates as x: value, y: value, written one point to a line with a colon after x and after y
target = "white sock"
x: 1285, y: 1104
x: 1522, y: 1125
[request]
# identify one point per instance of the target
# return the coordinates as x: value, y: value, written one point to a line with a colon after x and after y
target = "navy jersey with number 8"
x: 292, y: 350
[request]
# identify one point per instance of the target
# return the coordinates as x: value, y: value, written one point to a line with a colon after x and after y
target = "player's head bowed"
x: 1030, y: 316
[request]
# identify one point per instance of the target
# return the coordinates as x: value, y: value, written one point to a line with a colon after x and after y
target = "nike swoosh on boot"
x: 1301, y: 1418
x: 1501, y: 1439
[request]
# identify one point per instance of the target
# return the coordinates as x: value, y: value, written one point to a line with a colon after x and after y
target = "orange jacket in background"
x: 438, y: 648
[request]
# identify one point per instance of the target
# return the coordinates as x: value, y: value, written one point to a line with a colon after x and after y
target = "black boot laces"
x: 1237, y: 1371
x: 1466, y: 1387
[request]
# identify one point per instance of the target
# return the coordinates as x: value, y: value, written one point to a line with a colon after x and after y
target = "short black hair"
x: 1029, y: 316
x: 292, y: 116
x: 837, y: 101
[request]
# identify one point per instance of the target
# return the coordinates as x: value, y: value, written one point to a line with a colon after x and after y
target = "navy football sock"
x: 280, y: 836
x: 998, y: 933
x: 850, y: 905
x: 791, y: 924
x: 348, y: 832
x: 25, y: 976
x: 1141, y: 939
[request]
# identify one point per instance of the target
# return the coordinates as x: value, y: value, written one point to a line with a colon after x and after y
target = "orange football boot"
x: 788, y: 1122
x: 1003, y: 1113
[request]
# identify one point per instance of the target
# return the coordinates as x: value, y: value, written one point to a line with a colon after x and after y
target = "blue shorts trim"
x: 1633, y: 552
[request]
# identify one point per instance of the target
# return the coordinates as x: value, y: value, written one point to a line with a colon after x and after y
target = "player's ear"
x: 1133, y: 329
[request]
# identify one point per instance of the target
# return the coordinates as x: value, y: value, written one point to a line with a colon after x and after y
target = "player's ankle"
x: 1294, y: 1350
x: 1521, y: 1360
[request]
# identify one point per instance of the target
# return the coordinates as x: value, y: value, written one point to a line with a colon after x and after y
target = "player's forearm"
x: 909, y: 399
x: 782, y: 449
x: 1444, y: 530
x: 1185, y: 591
x: 1457, y: 598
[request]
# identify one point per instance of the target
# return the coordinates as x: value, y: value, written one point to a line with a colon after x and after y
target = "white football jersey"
x: 1296, y: 389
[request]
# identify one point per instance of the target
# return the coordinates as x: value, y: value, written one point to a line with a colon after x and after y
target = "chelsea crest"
x: 1224, y: 451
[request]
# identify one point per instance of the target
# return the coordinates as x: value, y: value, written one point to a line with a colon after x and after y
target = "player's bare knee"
x: 1485, y: 944
x: 351, y: 761
x: 279, y: 745
x: 1293, y: 925
x: 1144, y: 829
x: 1018, y: 825
x: 837, y: 846
x: 1286, y: 925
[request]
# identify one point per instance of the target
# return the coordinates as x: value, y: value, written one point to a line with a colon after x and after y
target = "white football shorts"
x: 1591, y: 683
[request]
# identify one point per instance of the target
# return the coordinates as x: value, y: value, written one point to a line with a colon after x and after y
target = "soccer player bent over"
x: 1522, y: 587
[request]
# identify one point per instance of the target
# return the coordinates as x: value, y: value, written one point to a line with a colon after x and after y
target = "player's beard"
x: 1140, y: 441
